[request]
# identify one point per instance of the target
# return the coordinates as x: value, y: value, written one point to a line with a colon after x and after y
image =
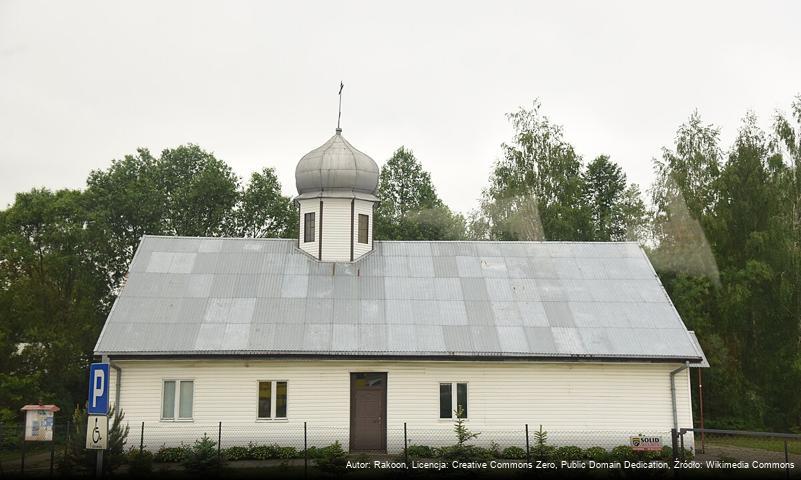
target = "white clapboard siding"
x: 578, y: 403
x: 336, y: 230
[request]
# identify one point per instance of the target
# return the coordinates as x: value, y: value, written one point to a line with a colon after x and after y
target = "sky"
x: 255, y: 82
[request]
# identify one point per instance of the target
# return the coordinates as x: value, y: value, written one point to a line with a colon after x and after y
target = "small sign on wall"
x: 643, y: 443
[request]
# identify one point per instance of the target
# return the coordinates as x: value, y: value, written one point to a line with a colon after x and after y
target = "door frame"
x: 352, y: 435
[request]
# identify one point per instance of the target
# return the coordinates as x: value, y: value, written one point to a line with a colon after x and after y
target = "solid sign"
x: 642, y: 443
x: 38, y: 426
x: 98, y: 389
x: 97, y: 432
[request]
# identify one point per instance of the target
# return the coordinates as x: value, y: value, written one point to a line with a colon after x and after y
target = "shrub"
x: 285, y: 452
x: 139, y: 463
x: 420, y: 451
x: 333, y: 459
x: 568, y: 453
x: 542, y: 451
x: 313, y: 452
x: 171, y: 454
x: 236, y: 453
x: 622, y: 453
x: 78, y: 460
x: 515, y: 453
x: 598, y: 454
x: 202, y: 457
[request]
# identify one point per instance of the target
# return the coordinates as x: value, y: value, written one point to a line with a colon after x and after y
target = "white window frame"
x: 177, y: 407
x: 454, y: 399
x: 273, y: 401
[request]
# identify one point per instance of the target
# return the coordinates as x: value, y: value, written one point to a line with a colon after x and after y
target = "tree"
x: 409, y: 207
x: 53, y: 299
x: 616, y: 210
x: 539, y: 174
x: 263, y: 211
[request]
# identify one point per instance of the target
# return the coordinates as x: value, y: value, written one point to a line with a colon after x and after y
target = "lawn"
x: 761, y: 443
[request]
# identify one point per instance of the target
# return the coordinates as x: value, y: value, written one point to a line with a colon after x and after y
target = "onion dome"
x: 338, y: 168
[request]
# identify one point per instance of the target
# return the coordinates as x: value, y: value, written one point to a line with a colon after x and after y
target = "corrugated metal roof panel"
x: 217, y: 295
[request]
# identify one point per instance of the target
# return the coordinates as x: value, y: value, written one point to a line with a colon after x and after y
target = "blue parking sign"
x: 98, y: 389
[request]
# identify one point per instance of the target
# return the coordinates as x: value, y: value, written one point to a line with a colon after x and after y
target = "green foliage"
x: 171, y: 454
x: 621, y: 453
x: 568, y: 453
x: 515, y: 453
x: 237, y: 453
x: 598, y: 454
x: 202, y: 457
x: 78, y: 460
x: 541, y: 450
x: 333, y: 460
x: 420, y: 451
x: 139, y: 463
x: 410, y: 208
x: 540, y: 190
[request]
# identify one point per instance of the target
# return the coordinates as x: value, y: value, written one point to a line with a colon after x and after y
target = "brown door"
x: 368, y: 411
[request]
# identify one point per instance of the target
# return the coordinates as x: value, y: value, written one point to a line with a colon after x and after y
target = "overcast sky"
x: 82, y: 83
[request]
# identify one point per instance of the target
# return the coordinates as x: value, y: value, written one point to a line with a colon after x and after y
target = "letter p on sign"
x: 98, y: 389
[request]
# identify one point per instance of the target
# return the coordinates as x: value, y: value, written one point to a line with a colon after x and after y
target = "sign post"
x: 97, y: 412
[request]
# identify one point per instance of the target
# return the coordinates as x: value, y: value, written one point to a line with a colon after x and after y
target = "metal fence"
x: 299, y: 443
x: 716, y: 448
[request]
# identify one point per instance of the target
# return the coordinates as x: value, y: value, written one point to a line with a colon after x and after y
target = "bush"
x: 568, y: 453
x: 237, y: 453
x: 420, y: 451
x: 285, y: 452
x: 139, y: 463
x: 598, y: 454
x: 515, y: 453
x: 622, y: 453
x: 202, y: 457
x: 78, y: 460
x: 333, y: 460
x: 171, y: 454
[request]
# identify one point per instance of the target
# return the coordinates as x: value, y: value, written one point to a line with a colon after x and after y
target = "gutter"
x: 673, y: 393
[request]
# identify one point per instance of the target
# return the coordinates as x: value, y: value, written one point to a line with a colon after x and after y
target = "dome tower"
x: 337, y: 187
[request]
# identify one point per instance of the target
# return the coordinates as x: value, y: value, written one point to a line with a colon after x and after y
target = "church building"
x: 356, y: 337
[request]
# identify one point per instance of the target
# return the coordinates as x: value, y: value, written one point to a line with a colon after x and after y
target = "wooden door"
x: 368, y: 411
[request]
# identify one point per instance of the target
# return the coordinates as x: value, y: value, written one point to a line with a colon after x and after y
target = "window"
x: 448, y: 403
x: 308, y: 227
x: 272, y: 400
x: 177, y: 396
x: 364, y: 227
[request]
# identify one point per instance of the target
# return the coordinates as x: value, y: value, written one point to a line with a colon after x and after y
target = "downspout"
x: 673, y: 393
x: 118, y: 371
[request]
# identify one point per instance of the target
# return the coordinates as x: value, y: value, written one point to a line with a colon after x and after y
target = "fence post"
x: 674, y: 443
x: 67, y: 439
x: 52, y: 450
x: 305, y: 453
x: 142, y: 439
x: 406, y: 446
x: 22, y: 456
x: 528, y: 451
x: 219, y: 441
x: 681, y: 439
x: 786, y: 461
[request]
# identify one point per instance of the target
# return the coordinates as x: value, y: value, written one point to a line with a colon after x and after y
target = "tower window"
x: 364, y: 223
x: 308, y: 227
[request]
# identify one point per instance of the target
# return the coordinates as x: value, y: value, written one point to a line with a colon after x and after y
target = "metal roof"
x: 336, y: 166
x: 207, y: 296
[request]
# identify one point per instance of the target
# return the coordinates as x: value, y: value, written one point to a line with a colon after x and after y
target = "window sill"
x: 451, y: 420
x: 272, y: 420
x: 177, y: 420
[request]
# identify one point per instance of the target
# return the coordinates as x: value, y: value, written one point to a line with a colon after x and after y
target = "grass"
x: 759, y: 443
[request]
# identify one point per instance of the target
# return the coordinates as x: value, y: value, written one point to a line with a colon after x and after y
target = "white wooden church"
x: 337, y: 329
